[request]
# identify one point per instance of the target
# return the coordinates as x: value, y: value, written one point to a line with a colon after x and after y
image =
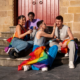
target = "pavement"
x: 59, y: 72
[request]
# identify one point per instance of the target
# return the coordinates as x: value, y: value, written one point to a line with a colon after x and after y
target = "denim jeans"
x: 20, y: 44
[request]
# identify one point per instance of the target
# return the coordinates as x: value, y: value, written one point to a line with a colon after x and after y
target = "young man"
x: 32, y: 24
x: 63, y: 32
x: 40, y: 41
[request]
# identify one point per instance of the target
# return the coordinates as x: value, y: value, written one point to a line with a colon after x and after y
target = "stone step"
x: 6, y: 61
x: 3, y: 41
x: 12, y: 28
x: 6, y: 34
x: 2, y: 52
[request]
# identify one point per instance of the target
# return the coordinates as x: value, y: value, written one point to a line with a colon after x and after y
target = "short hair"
x: 39, y: 23
x: 59, y: 18
x: 31, y: 14
x: 21, y: 16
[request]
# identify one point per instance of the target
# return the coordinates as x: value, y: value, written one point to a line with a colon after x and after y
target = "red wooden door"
x: 45, y: 10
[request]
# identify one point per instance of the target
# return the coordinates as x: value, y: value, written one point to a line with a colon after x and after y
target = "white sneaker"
x: 26, y: 67
x: 71, y: 64
x: 44, y: 69
x: 66, y: 55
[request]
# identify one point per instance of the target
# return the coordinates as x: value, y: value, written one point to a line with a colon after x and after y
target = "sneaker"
x: 71, y: 64
x: 26, y: 68
x: 44, y: 69
x: 66, y: 55
x: 13, y: 54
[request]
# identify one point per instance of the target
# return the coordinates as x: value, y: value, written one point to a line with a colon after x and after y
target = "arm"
x: 48, y: 35
x: 70, y: 34
x: 18, y: 29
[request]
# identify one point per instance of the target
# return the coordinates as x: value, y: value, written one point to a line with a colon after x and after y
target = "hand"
x: 64, y: 44
x: 60, y: 44
x: 29, y: 31
x: 54, y: 25
x: 34, y: 27
x: 55, y: 37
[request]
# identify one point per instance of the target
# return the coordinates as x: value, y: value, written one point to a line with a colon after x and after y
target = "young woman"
x: 18, y: 42
x: 40, y: 41
x: 32, y: 23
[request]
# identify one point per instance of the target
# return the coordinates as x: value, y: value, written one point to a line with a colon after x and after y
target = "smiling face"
x: 59, y: 22
x: 22, y: 21
x: 31, y: 17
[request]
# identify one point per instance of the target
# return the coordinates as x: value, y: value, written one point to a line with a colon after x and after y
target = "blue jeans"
x: 21, y: 45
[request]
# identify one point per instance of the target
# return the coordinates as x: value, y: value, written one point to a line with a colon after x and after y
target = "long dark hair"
x: 21, y: 16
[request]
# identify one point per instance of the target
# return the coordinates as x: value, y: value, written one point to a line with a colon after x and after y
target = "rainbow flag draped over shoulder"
x: 37, y: 55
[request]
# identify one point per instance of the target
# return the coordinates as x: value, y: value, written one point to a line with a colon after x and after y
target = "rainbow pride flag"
x: 37, y: 55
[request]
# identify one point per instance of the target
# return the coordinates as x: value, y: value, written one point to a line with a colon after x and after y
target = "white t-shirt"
x: 63, y: 32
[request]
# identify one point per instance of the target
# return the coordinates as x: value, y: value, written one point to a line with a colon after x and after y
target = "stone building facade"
x: 6, y: 15
x: 69, y: 9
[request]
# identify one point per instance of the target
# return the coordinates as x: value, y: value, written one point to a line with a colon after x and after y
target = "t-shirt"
x: 63, y: 32
x: 33, y: 23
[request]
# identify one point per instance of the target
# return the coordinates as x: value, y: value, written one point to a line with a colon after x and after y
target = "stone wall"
x: 70, y: 10
x: 6, y: 15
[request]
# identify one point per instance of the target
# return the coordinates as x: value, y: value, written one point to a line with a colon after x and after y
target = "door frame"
x: 16, y: 12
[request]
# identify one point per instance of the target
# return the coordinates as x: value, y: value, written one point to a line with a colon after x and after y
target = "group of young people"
x: 32, y: 33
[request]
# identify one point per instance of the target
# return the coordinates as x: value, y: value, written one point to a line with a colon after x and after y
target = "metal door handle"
x: 34, y: 2
x: 40, y: 2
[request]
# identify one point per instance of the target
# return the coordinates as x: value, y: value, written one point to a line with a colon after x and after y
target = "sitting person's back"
x: 41, y: 41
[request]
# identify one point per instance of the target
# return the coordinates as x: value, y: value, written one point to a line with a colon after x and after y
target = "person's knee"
x: 31, y: 42
x: 72, y: 44
x: 55, y: 46
x: 51, y: 44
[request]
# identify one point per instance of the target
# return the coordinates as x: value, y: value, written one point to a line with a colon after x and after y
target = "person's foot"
x: 66, y: 55
x: 71, y: 64
x: 26, y: 67
x: 11, y: 53
x: 44, y: 69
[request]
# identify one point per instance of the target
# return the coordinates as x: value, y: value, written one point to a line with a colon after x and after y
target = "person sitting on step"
x: 32, y: 24
x: 20, y: 39
x: 63, y: 32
